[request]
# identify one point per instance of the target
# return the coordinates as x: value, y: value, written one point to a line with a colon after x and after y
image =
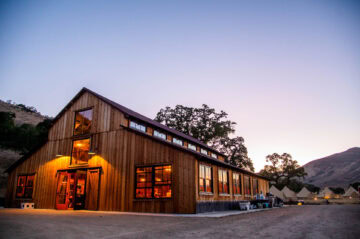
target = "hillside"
x: 23, y: 115
x: 337, y: 170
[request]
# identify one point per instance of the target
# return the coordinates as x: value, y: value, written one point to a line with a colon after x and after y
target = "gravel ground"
x: 317, y: 221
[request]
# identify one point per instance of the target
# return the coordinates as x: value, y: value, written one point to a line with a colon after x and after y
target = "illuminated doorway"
x: 77, y: 189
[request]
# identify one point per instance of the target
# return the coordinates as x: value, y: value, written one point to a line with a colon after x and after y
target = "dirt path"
x: 326, y: 221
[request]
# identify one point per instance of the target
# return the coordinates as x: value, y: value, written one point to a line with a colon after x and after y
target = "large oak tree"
x: 211, y: 127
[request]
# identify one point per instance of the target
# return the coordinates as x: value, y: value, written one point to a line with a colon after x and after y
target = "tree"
x: 282, y: 169
x: 211, y: 127
x: 236, y: 151
x: 22, y: 137
x: 355, y: 185
x: 338, y: 190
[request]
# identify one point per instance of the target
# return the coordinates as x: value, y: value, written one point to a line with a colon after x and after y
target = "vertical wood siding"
x: 118, y: 151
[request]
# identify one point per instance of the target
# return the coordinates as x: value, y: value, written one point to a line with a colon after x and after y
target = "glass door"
x: 62, y: 191
x: 65, y: 193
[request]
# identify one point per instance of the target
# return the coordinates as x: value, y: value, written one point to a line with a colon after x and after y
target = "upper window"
x: 153, y: 182
x: 255, y: 186
x: 25, y: 186
x: 247, y: 186
x: 159, y: 135
x: 236, y: 183
x: 177, y: 141
x: 137, y: 126
x: 214, y: 155
x: 192, y: 147
x: 223, y: 182
x: 205, y: 179
x: 80, y: 151
x: 83, y: 121
x: 203, y: 151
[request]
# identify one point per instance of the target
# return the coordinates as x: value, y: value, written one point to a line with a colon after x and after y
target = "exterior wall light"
x: 91, y: 153
x: 59, y: 155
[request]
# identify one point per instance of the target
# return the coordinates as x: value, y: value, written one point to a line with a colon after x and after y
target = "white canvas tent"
x: 304, y: 193
x: 289, y: 194
x: 326, y: 193
x: 351, y: 192
x: 276, y: 192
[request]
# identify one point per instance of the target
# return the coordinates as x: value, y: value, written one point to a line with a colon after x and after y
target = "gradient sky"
x: 287, y: 72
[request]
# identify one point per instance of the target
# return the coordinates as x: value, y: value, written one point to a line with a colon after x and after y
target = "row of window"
x: 156, y: 182
x: 82, y: 126
x: 161, y: 135
x: 206, y: 179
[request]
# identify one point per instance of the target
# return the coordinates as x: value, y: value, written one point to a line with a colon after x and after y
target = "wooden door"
x: 92, y: 189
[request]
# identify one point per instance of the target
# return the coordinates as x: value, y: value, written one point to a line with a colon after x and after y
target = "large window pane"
x: 223, y: 181
x: 205, y: 179
x: 153, y: 182
x: 24, y: 186
x: 83, y: 121
x: 80, y: 151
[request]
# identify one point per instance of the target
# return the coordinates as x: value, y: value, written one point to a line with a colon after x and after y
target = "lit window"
x: 177, y: 141
x: 205, y: 179
x: 144, y: 182
x: 236, y: 184
x: 83, y: 121
x: 159, y: 135
x: 203, y: 151
x: 247, y: 188
x: 223, y: 182
x: 80, y: 151
x: 255, y: 186
x: 162, y: 187
x: 213, y: 155
x: 137, y: 126
x: 25, y: 186
x: 153, y: 182
x: 192, y: 147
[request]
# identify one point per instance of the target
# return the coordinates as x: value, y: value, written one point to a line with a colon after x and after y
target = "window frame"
x: 257, y: 186
x: 249, y: 187
x: 159, y: 133
x: 24, y: 187
x: 204, y: 151
x: 222, y: 183
x: 137, y: 123
x: 205, y: 178
x: 238, y: 184
x: 213, y: 155
x: 175, y: 139
x: 153, y: 185
x: 72, y: 147
x: 191, y: 145
x: 78, y: 111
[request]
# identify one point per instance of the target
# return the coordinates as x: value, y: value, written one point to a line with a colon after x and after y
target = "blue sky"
x: 286, y: 71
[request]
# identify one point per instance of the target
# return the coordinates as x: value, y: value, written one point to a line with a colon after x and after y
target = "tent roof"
x: 276, y: 192
x: 350, y: 191
x: 304, y: 192
x: 288, y: 193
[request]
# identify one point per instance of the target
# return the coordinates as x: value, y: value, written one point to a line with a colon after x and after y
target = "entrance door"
x: 80, y: 189
x: 65, y: 193
x: 92, y: 189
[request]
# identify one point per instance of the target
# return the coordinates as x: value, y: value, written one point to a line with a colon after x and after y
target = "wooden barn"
x: 102, y: 156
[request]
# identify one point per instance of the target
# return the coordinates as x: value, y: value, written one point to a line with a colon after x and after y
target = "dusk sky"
x: 288, y: 72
